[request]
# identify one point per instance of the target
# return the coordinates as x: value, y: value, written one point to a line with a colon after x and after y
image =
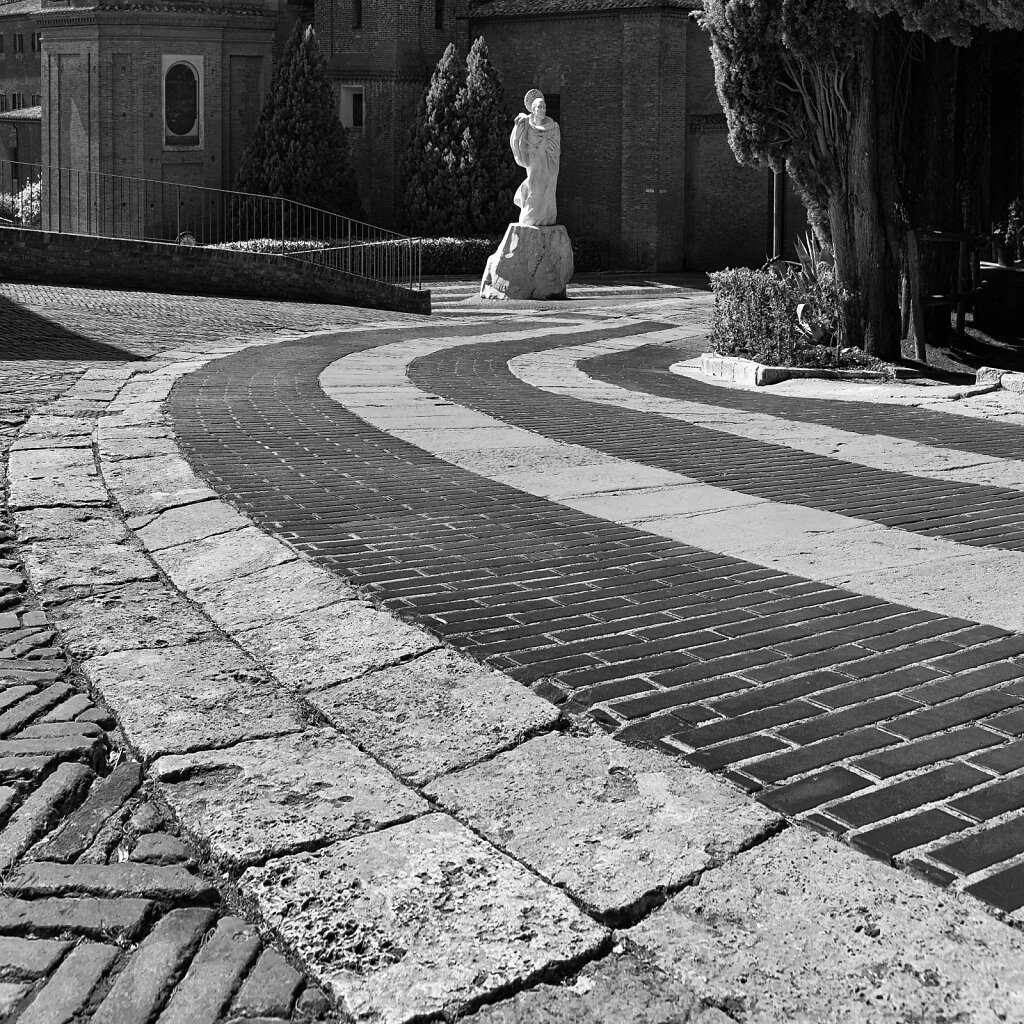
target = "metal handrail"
x: 69, y: 200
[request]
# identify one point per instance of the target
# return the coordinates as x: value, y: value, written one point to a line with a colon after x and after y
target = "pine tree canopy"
x: 299, y: 150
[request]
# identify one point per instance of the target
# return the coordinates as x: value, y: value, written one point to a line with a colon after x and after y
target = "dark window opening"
x: 19, y: 43
x: 439, y: 14
x: 181, y: 106
x: 553, y: 103
x: 357, y: 13
x: 357, y: 110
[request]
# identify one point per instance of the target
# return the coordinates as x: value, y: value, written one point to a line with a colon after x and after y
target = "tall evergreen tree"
x: 488, y: 171
x: 435, y: 201
x: 299, y: 150
x: 879, y: 110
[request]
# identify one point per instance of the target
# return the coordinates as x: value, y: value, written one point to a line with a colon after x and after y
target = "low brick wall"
x: 46, y: 257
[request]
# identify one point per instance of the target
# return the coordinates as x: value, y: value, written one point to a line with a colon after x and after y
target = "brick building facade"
x: 171, y: 91
x: 20, y: 104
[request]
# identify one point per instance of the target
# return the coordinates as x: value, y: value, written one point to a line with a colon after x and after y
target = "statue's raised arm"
x: 537, y: 145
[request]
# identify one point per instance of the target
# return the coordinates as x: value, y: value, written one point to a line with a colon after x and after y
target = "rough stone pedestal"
x: 530, y: 263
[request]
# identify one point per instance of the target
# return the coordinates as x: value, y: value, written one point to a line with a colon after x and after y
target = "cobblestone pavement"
x: 295, y: 770
x: 107, y: 914
x: 894, y: 726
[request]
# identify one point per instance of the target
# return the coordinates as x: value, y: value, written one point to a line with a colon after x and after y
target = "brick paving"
x: 106, y: 912
x: 881, y: 722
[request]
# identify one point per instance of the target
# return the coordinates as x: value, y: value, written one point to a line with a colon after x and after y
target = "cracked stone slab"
x: 136, y: 615
x: 187, y: 523
x: 331, y: 645
x: 117, y: 448
x: 43, y: 425
x: 419, y: 919
x: 154, y: 483
x: 261, y: 799
x: 619, y: 989
x: 225, y: 556
x: 138, y: 414
x: 61, y: 564
x: 91, y: 526
x: 613, y: 825
x: 55, y: 476
x: 802, y: 928
x: 176, y: 699
x: 277, y: 592
x: 435, y: 713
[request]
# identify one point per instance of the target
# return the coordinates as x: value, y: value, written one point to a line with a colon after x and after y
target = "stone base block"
x: 530, y: 263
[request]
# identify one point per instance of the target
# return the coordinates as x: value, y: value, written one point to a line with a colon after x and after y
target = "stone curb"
x: 751, y: 374
x: 1008, y: 380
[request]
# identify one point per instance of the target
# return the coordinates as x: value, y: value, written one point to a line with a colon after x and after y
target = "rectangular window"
x: 37, y: 99
x: 553, y: 103
x: 37, y: 42
x: 3, y: 102
x: 16, y: 99
x: 19, y: 43
x: 439, y: 14
x: 352, y: 109
x: 1, y: 44
x: 357, y: 13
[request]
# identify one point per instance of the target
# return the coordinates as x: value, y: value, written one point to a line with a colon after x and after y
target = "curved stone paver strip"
x: 840, y: 550
x: 421, y: 919
x: 988, y: 425
x: 799, y: 930
x: 613, y: 826
x: 558, y: 372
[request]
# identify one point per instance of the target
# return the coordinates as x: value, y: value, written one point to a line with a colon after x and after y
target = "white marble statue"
x: 537, y: 146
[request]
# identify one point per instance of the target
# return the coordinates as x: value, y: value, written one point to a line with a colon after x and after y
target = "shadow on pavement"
x: 27, y: 335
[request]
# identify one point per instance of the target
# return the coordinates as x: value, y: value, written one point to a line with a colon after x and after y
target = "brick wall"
x: 48, y: 257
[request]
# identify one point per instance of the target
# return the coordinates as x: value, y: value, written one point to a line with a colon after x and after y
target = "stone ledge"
x: 754, y: 374
x: 1008, y: 380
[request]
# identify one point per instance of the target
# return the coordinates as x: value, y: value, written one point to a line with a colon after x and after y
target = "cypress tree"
x: 435, y: 198
x: 299, y: 150
x: 488, y: 170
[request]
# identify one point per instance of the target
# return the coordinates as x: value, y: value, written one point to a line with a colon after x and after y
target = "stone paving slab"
x: 129, y: 617
x: 270, y: 595
x: 221, y: 557
x: 434, y: 713
x: 418, y: 919
x: 619, y: 989
x: 325, y: 646
x: 186, y: 523
x: 149, y: 484
x: 256, y: 800
x: 802, y: 929
x: 58, y: 476
x: 616, y: 827
x: 177, y: 699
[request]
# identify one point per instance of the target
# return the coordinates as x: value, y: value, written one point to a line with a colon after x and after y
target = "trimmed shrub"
x: 457, y: 255
x: 755, y: 316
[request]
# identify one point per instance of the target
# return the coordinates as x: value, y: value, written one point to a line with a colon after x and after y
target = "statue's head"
x: 534, y: 103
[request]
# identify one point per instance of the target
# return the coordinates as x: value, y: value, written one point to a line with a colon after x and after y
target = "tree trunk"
x: 860, y: 210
